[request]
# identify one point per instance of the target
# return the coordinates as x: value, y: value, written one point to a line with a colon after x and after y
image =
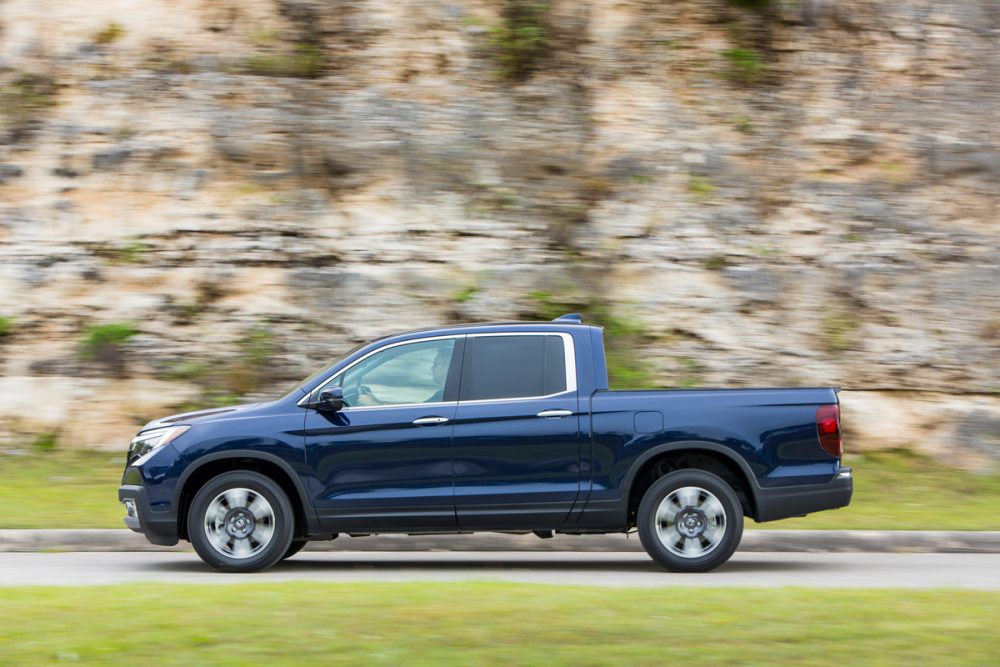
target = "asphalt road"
x: 833, y: 570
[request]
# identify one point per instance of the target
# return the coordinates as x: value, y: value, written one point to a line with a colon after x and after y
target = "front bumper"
x: 787, y: 501
x: 161, y: 530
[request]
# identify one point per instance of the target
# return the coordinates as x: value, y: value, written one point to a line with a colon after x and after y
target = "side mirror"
x: 330, y: 400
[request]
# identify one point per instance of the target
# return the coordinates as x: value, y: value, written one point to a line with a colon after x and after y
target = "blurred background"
x: 202, y: 201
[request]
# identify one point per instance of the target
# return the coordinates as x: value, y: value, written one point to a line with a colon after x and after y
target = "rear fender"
x: 693, y: 445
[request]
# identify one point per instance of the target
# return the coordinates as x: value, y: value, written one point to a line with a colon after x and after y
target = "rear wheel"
x: 690, y: 521
x: 241, y: 521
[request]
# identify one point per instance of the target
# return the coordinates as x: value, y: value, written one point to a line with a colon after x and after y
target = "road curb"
x: 15, y: 540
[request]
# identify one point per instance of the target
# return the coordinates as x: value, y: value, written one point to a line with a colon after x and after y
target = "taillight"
x: 828, y: 426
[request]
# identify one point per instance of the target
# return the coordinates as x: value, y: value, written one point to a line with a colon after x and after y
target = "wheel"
x: 294, y: 548
x: 690, y: 521
x: 241, y: 521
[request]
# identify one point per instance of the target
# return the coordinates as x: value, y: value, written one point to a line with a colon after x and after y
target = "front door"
x: 516, y: 439
x: 383, y: 462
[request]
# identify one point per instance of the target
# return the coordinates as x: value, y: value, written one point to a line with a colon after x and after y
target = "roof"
x: 571, y: 319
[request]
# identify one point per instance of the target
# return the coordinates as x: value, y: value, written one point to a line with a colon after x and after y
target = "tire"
x: 294, y: 548
x: 241, y: 521
x: 690, y: 521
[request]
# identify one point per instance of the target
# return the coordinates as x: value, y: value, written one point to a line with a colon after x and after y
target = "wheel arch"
x: 696, y: 454
x: 208, y: 466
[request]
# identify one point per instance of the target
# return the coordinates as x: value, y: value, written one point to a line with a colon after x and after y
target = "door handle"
x: 425, y: 421
x: 554, y: 414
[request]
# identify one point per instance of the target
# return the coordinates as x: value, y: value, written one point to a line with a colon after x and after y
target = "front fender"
x: 203, y: 460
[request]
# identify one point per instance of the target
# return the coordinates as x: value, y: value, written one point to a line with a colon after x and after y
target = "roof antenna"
x: 571, y: 318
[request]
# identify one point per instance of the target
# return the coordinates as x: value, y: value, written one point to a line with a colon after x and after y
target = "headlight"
x: 149, y: 441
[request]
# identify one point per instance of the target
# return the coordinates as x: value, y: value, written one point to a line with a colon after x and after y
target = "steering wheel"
x: 364, y: 390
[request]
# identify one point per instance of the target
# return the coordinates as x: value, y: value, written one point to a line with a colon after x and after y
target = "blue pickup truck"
x: 507, y: 427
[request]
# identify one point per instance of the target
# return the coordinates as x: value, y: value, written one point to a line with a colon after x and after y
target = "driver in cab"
x: 439, y: 373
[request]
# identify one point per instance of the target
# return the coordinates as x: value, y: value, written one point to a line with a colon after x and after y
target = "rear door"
x: 516, y: 436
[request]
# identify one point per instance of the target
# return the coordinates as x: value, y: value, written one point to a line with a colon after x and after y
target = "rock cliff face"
x: 201, y: 199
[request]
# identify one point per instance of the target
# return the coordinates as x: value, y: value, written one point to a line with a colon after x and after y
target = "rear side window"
x: 513, y: 367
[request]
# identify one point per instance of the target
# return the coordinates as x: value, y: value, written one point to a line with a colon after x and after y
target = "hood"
x: 198, y: 416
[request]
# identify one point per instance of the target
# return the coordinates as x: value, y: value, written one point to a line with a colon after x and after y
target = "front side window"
x: 410, y: 373
x: 514, y: 367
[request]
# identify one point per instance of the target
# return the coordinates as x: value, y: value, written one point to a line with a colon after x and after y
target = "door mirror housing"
x: 330, y: 400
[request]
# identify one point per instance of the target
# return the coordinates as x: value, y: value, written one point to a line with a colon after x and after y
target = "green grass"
x: 700, y: 187
x: 745, y: 65
x: 61, y: 489
x: 101, y: 337
x: 109, y: 34
x: 130, y: 253
x: 465, y: 294
x: 839, y: 330
x: 892, y: 491
x: 521, y: 39
x: 26, y: 99
x: 305, y: 61
x: 899, y: 490
x: 716, y: 262
x: 493, y: 624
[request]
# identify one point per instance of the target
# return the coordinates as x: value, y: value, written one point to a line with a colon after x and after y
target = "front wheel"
x: 690, y: 521
x: 241, y: 521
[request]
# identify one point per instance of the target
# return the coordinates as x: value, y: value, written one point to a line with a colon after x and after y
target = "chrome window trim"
x: 572, y: 394
x: 353, y: 408
x: 568, y: 349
